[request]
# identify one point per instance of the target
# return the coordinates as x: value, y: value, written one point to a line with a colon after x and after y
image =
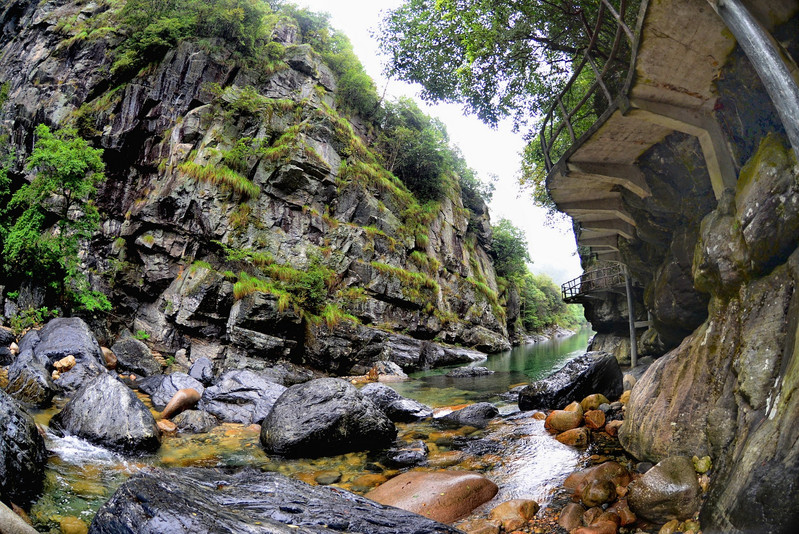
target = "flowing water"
x: 515, y: 451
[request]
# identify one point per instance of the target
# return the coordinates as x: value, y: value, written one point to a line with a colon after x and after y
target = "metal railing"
x: 604, y: 279
x: 596, y: 80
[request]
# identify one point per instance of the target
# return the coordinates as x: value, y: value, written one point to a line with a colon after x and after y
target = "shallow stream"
x: 515, y: 451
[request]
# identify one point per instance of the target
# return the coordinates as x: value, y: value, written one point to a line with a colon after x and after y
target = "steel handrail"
x: 558, y: 118
x: 602, y: 279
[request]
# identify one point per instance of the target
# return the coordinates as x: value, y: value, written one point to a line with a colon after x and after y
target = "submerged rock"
x: 594, y: 372
x: 107, y: 413
x: 469, y: 372
x: 22, y: 454
x: 205, y: 501
x: 324, y: 417
x: 195, y: 422
x: 241, y: 396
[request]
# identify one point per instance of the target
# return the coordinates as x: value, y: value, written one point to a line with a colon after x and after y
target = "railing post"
x: 631, y: 317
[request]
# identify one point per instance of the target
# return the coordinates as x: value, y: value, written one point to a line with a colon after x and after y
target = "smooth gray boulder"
x: 23, y: 456
x: 107, y: 413
x: 206, y: 501
x: 325, y: 417
x: 240, y: 396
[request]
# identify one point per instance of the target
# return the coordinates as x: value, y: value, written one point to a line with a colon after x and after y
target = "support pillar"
x: 631, y: 317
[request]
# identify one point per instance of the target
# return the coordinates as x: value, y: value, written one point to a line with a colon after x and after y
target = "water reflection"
x: 517, y: 366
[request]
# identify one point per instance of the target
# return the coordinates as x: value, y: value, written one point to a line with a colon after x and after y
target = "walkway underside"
x: 681, y: 46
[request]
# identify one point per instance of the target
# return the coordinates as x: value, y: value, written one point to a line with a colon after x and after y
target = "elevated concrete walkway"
x: 675, y: 50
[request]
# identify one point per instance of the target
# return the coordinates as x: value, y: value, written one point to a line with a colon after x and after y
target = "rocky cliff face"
x: 727, y: 274
x: 232, y: 193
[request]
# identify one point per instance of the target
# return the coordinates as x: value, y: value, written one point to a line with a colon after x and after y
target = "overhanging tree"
x: 500, y: 59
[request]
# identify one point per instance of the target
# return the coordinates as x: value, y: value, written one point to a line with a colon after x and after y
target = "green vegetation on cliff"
x: 540, y: 300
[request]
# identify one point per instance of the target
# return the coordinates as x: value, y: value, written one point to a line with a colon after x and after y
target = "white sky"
x: 486, y: 150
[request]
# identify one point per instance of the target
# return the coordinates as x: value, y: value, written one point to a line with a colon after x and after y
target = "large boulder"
x: 477, y: 415
x: 398, y: 408
x: 62, y: 337
x: 203, y: 370
x: 22, y: 454
x: 241, y: 396
x: 445, y: 496
x: 593, y: 372
x: 324, y: 417
x: 667, y: 491
x: 171, y: 384
x: 29, y: 381
x: 205, y: 501
x: 107, y: 413
x: 134, y: 356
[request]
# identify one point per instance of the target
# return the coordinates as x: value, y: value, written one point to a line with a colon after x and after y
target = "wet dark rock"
x: 406, y: 455
x: 22, y: 454
x: 477, y: 415
x: 107, y: 413
x: 6, y: 356
x: 134, y: 356
x: 667, y: 491
x: 241, y: 396
x: 62, y: 337
x: 170, y: 385
x: 594, y: 372
x: 398, y: 408
x: 205, y: 501
x: 203, y: 371
x: 195, y: 422
x: 324, y: 417
x: 469, y: 372
x: 7, y: 336
x: 29, y: 381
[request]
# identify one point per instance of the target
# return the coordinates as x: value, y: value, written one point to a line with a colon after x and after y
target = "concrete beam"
x: 623, y: 228
x: 607, y: 255
x: 720, y: 165
x: 597, y: 242
x: 628, y: 176
x: 610, y: 207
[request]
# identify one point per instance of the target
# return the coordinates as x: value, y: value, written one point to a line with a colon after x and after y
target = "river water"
x: 516, y: 452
